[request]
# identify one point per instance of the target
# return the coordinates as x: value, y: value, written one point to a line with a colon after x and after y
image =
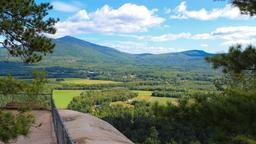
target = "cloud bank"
x: 230, y: 35
x: 229, y: 12
x: 126, y: 19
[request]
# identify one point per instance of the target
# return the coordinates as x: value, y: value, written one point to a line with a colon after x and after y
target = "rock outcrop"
x: 87, y: 129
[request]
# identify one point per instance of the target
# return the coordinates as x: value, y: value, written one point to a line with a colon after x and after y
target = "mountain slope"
x: 73, y: 52
x: 86, y: 52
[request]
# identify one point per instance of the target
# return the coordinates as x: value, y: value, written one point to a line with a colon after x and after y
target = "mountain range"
x: 73, y: 52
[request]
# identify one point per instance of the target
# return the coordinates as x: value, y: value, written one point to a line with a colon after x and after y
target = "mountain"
x: 196, y: 53
x: 71, y: 52
x: 86, y: 52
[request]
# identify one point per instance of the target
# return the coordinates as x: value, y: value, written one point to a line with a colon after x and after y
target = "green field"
x: 63, y: 97
x: 162, y: 100
x: 146, y: 96
x: 86, y: 81
x: 142, y: 95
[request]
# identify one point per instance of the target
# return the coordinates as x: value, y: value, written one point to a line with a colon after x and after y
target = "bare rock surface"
x: 41, y: 131
x: 87, y: 129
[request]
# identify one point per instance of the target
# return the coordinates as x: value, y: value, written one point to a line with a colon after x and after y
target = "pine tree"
x: 23, y: 24
x: 246, y: 6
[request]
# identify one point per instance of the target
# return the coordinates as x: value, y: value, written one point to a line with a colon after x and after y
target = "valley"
x: 110, y: 84
x: 73, y: 57
x: 124, y: 72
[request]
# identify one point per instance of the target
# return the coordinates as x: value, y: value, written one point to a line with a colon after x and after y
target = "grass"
x: 142, y: 95
x: 86, y: 81
x: 162, y: 100
x: 124, y: 104
x: 146, y: 96
x: 63, y: 97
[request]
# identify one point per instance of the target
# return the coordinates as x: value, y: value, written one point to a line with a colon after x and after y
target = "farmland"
x: 86, y: 81
x: 64, y: 97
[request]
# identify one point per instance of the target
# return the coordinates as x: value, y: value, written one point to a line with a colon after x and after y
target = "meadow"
x: 64, y: 97
x: 86, y: 81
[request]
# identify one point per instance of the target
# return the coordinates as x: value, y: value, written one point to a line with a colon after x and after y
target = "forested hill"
x: 83, y: 52
x: 86, y: 52
x: 71, y: 52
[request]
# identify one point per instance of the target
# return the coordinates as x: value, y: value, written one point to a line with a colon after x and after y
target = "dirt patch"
x: 42, y: 131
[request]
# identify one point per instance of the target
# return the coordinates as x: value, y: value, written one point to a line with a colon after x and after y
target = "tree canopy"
x: 236, y: 60
x: 246, y: 6
x: 23, y: 24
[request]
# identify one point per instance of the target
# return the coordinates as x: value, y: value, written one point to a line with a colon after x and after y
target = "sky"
x: 154, y: 26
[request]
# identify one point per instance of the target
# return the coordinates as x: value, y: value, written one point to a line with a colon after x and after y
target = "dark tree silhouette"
x: 246, y: 6
x: 23, y: 24
x: 236, y: 60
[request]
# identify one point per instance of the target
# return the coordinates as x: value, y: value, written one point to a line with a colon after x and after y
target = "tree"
x: 23, y: 24
x: 246, y: 6
x: 9, y: 87
x: 236, y: 60
x: 12, y: 125
x: 239, y: 65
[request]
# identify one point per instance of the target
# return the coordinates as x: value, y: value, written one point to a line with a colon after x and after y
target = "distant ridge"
x: 72, y: 52
x: 86, y: 43
x: 77, y: 41
x: 196, y: 53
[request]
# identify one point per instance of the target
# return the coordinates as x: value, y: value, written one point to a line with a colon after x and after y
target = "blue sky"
x: 154, y: 26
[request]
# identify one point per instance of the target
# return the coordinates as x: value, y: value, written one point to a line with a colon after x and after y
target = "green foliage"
x: 36, y: 88
x: 243, y: 140
x: 209, y: 119
x: 239, y: 66
x: 24, y: 93
x: 236, y: 60
x: 94, y: 101
x: 71, y: 53
x: 22, y: 23
x: 9, y: 89
x: 246, y: 6
x: 169, y: 94
x: 10, y: 86
x: 12, y: 125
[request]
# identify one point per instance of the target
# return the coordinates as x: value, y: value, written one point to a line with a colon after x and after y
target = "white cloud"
x: 229, y: 35
x: 235, y: 33
x: 138, y: 48
x: 242, y: 41
x: 168, y: 37
x: 204, y: 45
x: 230, y: 12
x: 201, y: 36
x: 1, y: 40
x: 81, y: 15
x: 126, y: 19
x: 167, y: 10
x: 64, y: 7
x: 232, y: 35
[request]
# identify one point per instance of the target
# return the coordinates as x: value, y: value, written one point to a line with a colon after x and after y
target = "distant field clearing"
x: 86, y: 81
x: 146, y: 96
x: 64, y: 97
